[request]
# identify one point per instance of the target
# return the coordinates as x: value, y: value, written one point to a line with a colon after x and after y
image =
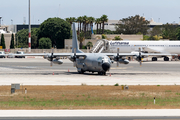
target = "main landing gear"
x: 154, y: 58
x: 101, y: 73
x: 166, y: 59
x: 81, y: 72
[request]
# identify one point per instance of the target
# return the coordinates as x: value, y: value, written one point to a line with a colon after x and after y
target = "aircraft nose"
x: 105, y: 66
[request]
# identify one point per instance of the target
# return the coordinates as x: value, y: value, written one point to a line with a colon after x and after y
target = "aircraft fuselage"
x: 93, y: 63
x: 172, y: 47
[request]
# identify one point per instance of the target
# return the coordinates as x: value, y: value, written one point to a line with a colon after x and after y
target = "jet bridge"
x: 100, y: 46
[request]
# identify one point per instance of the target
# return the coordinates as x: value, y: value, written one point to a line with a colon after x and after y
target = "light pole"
x: 0, y: 21
x: 29, y: 28
x: 17, y: 40
x: 11, y: 21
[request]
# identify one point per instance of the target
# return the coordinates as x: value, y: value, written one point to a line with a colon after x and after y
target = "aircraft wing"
x: 103, y: 54
x: 45, y: 54
x: 120, y: 54
x: 77, y: 54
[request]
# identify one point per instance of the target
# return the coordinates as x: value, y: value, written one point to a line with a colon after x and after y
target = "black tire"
x: 82, y: 71
x: 154, y: 59
x: 166, y: 59
x: 99, y: 73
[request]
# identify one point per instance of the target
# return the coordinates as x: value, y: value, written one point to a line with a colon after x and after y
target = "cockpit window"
x: 100, y: 58
x: 105, y: 59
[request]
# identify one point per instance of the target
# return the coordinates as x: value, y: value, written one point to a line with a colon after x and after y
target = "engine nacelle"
x: 123, y: 61
x: 45, y: 56
x: 136, y: 58
x: 71, y: 58
x: 57, y: 61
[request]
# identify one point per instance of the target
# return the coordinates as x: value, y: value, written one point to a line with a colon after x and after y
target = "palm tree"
x: 85, y: 20
x: 91, y: 21
x: 97, y: 21
x: 80, y: 20
x: 70, y: 20
x: 104, y: 18
x: 100, y: 22
x: 67, y: 20
x: 81, y: 39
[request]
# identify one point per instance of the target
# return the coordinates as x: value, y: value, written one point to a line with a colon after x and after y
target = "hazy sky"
x: 160, y: 10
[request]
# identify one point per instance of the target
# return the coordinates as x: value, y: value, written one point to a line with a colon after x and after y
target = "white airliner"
x: 164, y: 47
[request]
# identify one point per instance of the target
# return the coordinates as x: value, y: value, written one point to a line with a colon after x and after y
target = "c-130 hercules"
x: 92, y: 62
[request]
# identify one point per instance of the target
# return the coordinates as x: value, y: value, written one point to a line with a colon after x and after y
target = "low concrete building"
x: 123, y: 36
x: 68, y: 42
x: 95, y: 38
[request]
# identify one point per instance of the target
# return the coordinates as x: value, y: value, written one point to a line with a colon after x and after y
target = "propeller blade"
x: 117, y: 57
x: 118, y: 52
x: 52, y: 56
x: 74, y: 63
x: 140, y: 63
x: 140, y: 57
x: 51, y: 63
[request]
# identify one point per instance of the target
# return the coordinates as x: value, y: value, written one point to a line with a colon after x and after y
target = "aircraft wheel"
x: 100, y: 73
x: 154, y: 59
x: 179, y: 57
x: 166, y: 59
x: 82, y: 71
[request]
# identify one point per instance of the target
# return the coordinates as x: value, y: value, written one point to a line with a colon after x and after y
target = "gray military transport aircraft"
x: 92, y: 62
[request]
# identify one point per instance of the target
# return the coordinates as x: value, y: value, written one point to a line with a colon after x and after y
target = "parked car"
x: 10, y: 55
x: 2, y: 54
x: 20, y: 52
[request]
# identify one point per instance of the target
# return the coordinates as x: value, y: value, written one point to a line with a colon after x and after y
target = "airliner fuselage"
x: 172, y: 47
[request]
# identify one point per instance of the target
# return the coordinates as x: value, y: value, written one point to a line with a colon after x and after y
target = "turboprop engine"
x: 123, y: 61
x: 57, y: 61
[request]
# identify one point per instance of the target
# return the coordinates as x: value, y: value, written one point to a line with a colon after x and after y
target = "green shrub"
x: 116, y: 84
x: 84, y: 47
x: 45, y: 43
x: 104, y: 36
x: 117, y: 38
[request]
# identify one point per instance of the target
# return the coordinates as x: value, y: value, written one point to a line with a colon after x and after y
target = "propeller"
x: 140, y: 57
x: 74, y: 57
x: 117, y: 57
x: 52, y: 56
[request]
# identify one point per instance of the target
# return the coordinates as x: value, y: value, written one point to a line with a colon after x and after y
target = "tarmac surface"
x: 92, y: 113
x: 31, y: 71
x: 91, y: 118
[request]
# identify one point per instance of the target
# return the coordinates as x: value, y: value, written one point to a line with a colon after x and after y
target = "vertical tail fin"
x: 75, y: 40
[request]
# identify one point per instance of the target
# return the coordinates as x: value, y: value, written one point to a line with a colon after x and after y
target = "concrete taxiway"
x: 91, y: 118
x: 91, y: 113
x: 38, y: 72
